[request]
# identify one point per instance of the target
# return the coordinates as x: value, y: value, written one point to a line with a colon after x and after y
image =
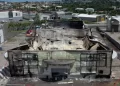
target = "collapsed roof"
x: 64, y: 39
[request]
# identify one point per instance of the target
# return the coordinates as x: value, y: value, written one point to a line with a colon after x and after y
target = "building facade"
x: 113, y: 24
x: 10, y: 15
x: 90, y: 18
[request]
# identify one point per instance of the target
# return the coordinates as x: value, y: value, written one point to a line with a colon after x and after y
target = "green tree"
x: 113, y: 13
x: 37, y: 19
x: 98, y: 5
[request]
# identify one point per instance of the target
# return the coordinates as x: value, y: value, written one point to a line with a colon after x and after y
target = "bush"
x: 17, y: 25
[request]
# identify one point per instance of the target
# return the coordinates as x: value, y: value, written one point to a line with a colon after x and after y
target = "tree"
x: 37, y: 19
x: 19, y: 5
x: 98, y: 5
x: 113, y: 13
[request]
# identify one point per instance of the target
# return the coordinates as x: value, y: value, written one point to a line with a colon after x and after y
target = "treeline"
x: 15, y: 26
x: 107, y: 6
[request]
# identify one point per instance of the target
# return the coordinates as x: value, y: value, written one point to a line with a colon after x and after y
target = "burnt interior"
x: 76, y: 24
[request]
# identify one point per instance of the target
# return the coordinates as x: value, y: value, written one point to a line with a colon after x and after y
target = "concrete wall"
x: 115, y: 43
x: 44, y: 16
x: 1, y: 36
x: 88, y: 19
x: 29, y: 16
x: 65, y: 16
x: 108, y: 24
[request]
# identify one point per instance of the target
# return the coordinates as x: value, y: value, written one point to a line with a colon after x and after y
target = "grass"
x: 11, y: 40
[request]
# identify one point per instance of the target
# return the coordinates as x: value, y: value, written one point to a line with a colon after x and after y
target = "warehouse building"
x: 113, y: 24
x: 28, y: 16
x: 44, y: 16
x: 61, y: 15
x: 5, y: 16
x: 90, y: 18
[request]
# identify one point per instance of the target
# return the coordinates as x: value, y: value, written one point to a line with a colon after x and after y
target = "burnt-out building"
x: 53, y: 62
x: 58, y: 53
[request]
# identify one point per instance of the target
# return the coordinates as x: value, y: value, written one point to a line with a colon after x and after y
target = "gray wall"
x: 65, y: 16
x: 28, y: 16
x: 88, y: 19
x: 113, y: 25
x: 114, y: 42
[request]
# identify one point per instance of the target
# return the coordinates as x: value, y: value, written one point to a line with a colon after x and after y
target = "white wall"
x: 4, y: 14
x: 42, y: 16
x: 1, y: 35
x: 17, y: 14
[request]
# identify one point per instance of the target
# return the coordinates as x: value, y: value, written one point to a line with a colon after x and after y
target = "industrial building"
x: 49, y: 15
x: 113, y: 24
x: 59, y: 14
x: 62, y: 15
x: 90, y: 17
x: 10, y: 15
x: 44, y: 16
x: 30, y: 15
x: 58, y: 53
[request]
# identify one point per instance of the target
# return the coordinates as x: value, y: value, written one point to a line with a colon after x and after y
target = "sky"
x: 27, y: 0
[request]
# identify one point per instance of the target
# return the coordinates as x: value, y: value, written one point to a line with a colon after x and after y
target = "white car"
x: 31, y: 20
x: 4, y: 21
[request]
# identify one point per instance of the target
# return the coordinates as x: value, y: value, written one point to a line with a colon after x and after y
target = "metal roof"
x: 87, y: 15
x: 117, y: 18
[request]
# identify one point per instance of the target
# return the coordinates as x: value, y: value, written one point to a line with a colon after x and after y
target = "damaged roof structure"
x: 58, y: 53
